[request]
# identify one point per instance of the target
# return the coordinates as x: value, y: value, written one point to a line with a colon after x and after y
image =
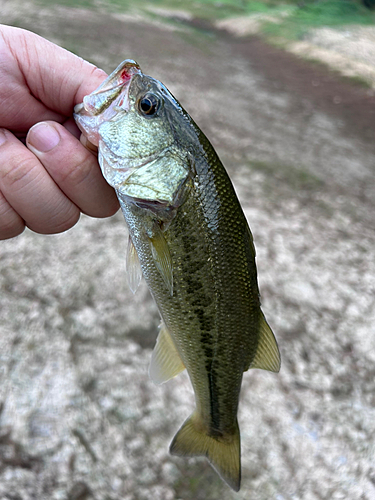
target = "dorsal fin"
x: 165, y: 360
x: 267, y: 356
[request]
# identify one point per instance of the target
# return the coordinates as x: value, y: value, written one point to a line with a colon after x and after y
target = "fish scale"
x: 195, y: 251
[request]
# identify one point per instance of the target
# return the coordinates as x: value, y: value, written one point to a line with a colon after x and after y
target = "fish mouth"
x: 106, y: 101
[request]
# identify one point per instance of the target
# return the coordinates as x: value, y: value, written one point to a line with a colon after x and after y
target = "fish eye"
x: 149, y: 104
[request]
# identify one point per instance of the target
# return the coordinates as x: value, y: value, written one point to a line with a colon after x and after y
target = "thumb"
x: 55, y: 76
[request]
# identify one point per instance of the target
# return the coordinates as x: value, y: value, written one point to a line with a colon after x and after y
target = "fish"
x: 190, y: 240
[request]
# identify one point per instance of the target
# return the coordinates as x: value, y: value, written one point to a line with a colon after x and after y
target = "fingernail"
x: 43, y: 137
x: 3, y: 137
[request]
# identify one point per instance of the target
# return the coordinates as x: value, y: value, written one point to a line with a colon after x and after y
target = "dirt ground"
x: 349, y: 50
x: 80, y: 419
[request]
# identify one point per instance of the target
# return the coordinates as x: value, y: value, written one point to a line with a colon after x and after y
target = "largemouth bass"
x: 191, y: 241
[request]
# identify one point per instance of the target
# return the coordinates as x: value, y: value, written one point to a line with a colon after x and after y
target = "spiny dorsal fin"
x: 162, y: 257
x: 224, y: 454
x: 133, y: 267
x: 165, y: 360
x: 267, y: 356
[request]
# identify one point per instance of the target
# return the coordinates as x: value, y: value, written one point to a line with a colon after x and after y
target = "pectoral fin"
x: 133, y: 267
x: 165, y: 361
x: 267, y: 356
x: 162, y: 258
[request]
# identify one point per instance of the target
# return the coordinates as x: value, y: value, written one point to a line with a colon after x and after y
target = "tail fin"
x: 223, y: 453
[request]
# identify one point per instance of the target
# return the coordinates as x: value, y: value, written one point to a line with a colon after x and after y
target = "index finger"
x: 73, y: 168
x: 30, y: 191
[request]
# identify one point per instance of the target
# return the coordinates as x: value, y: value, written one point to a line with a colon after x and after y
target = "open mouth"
x: 106, y: 101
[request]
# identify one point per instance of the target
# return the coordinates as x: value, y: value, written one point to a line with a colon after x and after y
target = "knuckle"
x: 18, y: 172
x: 81, y: 169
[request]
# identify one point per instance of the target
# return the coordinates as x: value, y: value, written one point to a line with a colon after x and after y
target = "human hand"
x: 46, y: 183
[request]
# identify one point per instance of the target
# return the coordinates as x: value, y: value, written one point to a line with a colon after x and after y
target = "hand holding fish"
x: 46, y: 183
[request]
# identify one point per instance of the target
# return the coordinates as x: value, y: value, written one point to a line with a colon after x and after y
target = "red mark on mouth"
x: 125, y: 75
x: 130, y: 68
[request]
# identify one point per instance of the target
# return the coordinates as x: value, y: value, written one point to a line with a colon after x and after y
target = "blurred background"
x: 285, y: 91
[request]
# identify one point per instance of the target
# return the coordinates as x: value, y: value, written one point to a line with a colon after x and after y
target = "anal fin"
x: 165, y: 360
x: 267, y: 356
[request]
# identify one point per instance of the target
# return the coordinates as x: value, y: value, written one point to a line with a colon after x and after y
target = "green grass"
x: 302, y: 15
x: 204, y: 9
x: 331, y: 13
